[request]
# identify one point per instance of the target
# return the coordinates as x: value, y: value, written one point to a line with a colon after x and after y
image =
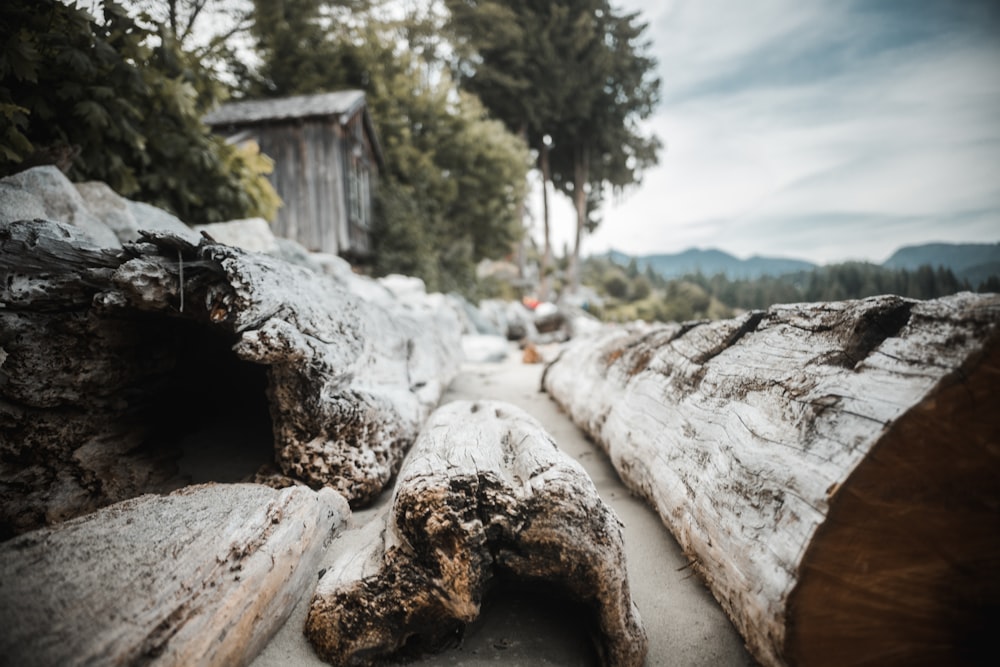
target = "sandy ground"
x: 686, y: 627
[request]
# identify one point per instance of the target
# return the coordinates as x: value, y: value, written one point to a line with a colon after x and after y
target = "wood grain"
x: 830, y: 469
x: 203, y: 576
x: 484, y: 495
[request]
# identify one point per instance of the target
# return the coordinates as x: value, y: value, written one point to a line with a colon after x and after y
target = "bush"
x: 116, y: 103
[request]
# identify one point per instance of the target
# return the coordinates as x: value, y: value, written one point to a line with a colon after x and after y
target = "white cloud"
x: 809, y: 129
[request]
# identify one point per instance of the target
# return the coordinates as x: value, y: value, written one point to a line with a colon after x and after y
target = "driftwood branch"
x: 484, y: 494
x: 204, y: 576
x: 830, y: 469
x: 92, y: 340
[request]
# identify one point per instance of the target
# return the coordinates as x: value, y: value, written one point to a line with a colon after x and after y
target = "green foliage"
x: 125, y: 106
x: 448, y: 196
x: 574, y: 70
x: 850, y: 280
x: 630, y: 295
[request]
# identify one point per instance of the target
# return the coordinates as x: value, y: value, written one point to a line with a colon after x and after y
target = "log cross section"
x: 484, y: 492
x: 831, y: 469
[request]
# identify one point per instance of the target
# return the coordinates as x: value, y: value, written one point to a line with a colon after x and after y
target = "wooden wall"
x: 325, y: 175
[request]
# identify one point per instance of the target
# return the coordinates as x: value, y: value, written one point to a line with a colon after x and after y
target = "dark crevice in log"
x: 536, y: 608
x: 143, y: 338
x: 872, y: 329
x: 212, y: 409
x: 748, y: 324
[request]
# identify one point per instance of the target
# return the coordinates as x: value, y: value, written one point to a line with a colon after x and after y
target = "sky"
x: 824, y: 130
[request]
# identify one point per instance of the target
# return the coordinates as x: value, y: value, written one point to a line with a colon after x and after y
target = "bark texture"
x: 485, y: 493
x: 203, y: 576
x: 89, y: 340
x: 830, y: 469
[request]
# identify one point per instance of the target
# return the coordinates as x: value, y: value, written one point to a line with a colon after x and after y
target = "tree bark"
x: 830, y: 469
x: 89, y: 337
x: 543, y: 278
x: 204, y: 576
x: 581, y: 178
x: 485, y: 493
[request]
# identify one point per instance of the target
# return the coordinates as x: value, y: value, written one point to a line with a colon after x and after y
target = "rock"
x: 252, y: 234
x: 110, y: 208
x: 45, y: 192
x: 404, y: 287
x: 480, y: 348
x: 484, y: 495
x: 520, y: 322
x: 151, y: 219
x: 204, y: 576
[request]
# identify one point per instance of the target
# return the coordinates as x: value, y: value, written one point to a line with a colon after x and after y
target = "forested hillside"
x: 630, y: 293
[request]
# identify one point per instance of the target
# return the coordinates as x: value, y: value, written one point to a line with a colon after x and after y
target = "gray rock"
x: 51, y: 195
x: 479, y: 348
x: 154, y: 219
x: 111, y: 208
x: 251, y: 234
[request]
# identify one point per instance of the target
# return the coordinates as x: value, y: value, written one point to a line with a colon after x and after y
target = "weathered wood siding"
x: 308, y: 177
x: 359, y: 177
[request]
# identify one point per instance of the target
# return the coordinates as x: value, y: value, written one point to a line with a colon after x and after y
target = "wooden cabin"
x: 326, y: 164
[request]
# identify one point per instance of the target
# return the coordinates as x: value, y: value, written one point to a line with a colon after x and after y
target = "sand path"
x: 526, y: 627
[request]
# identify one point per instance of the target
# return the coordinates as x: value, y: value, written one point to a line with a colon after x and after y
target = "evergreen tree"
x: 453, y: 177
x: 571, y: 70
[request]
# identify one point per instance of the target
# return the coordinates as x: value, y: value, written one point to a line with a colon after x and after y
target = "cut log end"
x: 831, y: 468
x: 905, y: 569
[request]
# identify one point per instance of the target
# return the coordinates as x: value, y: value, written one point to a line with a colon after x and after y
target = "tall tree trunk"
x: 521, y: 251
x: 581, y: 175
x: 543, y: 278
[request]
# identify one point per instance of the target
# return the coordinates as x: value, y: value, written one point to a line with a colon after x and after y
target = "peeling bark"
x: 830, y: 469
x: 204, y: 576
x: 90, y: 337
x: 485, y: 493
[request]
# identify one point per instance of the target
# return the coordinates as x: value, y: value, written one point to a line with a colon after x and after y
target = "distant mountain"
x: 712, y: 262
x: 974, y: 262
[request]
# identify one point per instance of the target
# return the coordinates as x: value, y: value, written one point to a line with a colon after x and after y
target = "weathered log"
x: 91, y: 341
x: 830, y: 469
x: 203, y: 576
x: 484, y: 494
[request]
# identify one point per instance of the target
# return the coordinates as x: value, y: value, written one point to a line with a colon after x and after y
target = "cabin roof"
x: 340, y: 103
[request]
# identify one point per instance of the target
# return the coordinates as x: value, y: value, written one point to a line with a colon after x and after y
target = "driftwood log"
x: 104, y: 353
x: 832, y: 470
x: 203, y: 576
x: 484, y: 494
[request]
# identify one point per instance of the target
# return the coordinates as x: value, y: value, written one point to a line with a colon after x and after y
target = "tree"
x: 453, y: 177
x: 607, y: 149
x: 569, y: 70
x: 110, y: 103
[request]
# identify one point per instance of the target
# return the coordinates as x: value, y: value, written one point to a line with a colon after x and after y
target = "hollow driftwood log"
x: 203, y: 576
x: 484, y: 494
x: 90, y: 339
x: 832, y: 470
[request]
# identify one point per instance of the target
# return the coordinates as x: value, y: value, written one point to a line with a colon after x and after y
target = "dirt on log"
x: 105, y: 354
x: 832, y: 470
x: 484, y: 495
x: 204, y: 576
